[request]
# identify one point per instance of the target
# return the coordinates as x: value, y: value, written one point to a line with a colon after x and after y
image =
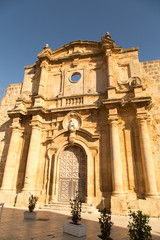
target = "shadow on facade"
x: 6, y: 127
x: 134, y: 160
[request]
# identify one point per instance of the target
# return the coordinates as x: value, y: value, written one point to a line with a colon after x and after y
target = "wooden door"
x: 72, y: 174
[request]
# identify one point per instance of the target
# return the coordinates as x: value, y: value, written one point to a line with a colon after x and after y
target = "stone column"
x: 116, y: 158
x: 13, y: 157
x: 43, y: 76
x: 147, y: 160
x: 33, y: 159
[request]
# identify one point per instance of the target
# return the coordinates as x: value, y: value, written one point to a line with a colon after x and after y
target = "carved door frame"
x: 92, y: 167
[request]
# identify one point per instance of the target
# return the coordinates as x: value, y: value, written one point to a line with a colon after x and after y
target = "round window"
x: 75, y: 77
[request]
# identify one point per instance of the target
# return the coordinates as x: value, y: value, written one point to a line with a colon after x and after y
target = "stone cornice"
x: 47, y: 53
x: 119, y: 102
x: 30, y: 66
x: 41, y: 110
x: 16, y: 113
x: 69, y: 57
x: 130, y: 49
x: 141, y: 99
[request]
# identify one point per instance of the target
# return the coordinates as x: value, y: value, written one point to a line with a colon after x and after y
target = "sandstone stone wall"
x: 151, y: 80
x: 7, y: 103
x: 113, y: 121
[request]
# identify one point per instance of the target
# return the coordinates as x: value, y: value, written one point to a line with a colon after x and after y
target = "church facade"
x: 86, y: 118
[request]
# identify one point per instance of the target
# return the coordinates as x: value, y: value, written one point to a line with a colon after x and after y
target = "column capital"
x: 94, y: 151
x: 141, y: 120
x: 36, y: 124
x: 113, y: 120
x: 52, y: 151
x: 16, y: 125
x: 44, y: 64
x: 108, y: 53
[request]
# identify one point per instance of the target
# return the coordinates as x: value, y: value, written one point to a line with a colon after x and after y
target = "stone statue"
x: 72, y: 124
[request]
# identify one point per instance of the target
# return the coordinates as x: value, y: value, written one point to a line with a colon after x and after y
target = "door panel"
x: 72, y: 174
x: 64, y: 190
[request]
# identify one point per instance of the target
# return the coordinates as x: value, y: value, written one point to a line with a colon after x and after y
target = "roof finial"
x: 108, y: 35
x: 46, y: 46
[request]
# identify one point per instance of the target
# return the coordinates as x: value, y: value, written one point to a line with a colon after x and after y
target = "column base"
x: 8, y: 197
x: 118, y: 204
x: 89, y: 200
x: 23, y: 197
x: 123, y: 205
x: 118, y: 194
x: 152, y: 195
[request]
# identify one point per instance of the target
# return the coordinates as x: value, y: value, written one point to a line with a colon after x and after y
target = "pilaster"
x: 43, y: 77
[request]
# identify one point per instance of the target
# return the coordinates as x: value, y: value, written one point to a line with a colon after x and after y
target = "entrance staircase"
x: 65, y: 206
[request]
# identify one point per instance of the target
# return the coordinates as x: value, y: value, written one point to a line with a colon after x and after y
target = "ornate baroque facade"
x: 85, y: 118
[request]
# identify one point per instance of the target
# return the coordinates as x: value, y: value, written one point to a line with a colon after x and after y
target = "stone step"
x: 66, y: 207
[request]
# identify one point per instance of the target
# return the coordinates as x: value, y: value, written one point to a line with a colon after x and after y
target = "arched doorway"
x: 72, y: 174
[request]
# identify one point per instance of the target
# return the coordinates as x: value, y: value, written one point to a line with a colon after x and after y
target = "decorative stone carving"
x: 72, y: 122
x: 134, y: 81
x: 130, y: 83
x: 26, y: 95
x: 72, y: 127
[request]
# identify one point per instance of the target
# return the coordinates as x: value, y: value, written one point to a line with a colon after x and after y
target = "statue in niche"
x: 72, y: 124
x: 72, y: 127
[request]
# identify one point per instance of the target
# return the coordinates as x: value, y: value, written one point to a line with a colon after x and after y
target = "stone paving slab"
x: 49, y: 225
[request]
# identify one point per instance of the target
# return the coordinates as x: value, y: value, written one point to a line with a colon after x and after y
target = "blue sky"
x: 27, y: 25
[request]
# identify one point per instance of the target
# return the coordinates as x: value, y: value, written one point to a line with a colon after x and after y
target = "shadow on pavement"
x: 49, y: 225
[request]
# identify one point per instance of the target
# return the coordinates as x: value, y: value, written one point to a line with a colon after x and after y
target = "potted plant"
x: 74, y: 228
x: 31, y: 206
x: 138, y: 228
x: 105, y: 224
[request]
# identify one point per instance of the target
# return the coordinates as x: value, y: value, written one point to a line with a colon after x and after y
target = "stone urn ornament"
x: 74, y: 228
x: 31, y: 206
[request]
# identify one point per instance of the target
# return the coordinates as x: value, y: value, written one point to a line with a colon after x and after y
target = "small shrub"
x: 32, y: 202
x: 139, y: 228
x: 105, y: 224
x: 76, y: 209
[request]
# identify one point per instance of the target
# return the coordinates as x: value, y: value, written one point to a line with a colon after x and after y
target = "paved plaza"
x: 49, y: 225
